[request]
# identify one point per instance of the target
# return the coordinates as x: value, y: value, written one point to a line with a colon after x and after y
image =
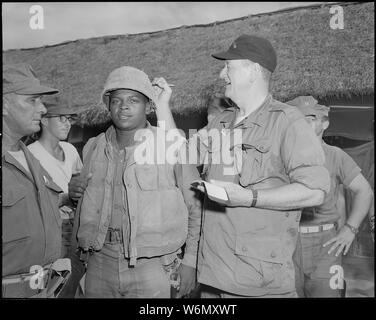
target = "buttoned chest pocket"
x: 254, y: 162
x: 259, y: 261
x: 15, y: 216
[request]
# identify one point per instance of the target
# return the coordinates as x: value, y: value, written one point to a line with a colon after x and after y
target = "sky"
x: 65, y: 21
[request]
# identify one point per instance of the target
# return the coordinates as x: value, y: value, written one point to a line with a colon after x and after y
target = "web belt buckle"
x: 314, y: 229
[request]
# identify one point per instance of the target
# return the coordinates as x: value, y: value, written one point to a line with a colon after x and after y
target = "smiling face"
x: 23, y: 113
x: 237, y: 75
x: 56, y: 127
x: 128, y: 109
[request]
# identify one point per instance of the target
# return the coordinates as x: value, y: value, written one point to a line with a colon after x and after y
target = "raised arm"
x: 163, y: 92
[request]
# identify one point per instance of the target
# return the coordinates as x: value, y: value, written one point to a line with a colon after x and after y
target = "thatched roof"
x: 312, y: 58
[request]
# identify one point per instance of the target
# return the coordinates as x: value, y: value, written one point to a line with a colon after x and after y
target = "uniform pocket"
x: 259, y: 261
x: 99, y: 170
x: 253, y: 168
x: 15, y: 215
x: 147, y: 177
x: 54, y: 190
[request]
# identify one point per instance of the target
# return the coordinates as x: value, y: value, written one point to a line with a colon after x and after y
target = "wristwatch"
x: 254, y: 197
x: 372, y: 223
x: 353, y: 229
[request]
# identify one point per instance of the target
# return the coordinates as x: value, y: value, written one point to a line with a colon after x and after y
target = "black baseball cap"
x: 254, y: 48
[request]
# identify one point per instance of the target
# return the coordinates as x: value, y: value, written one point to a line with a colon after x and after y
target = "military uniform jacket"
x: 30, y: 215
x: 248, y: 251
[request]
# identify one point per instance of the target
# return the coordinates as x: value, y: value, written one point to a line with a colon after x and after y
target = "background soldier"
x: 319, y: 224
x: 58, y: 157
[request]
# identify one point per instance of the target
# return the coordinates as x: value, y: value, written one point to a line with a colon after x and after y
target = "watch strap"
x: 353, y: 229
x: 254, y: 197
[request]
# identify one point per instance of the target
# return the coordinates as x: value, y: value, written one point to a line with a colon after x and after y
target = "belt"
x: 113, y: 236
x: 319, y: 228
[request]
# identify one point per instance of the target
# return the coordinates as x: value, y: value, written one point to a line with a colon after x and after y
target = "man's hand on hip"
x: 342, y: 241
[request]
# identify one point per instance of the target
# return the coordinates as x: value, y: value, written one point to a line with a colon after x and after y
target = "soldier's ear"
x: 150, y: 107
x: 325, y: 124
x: 254, y: 70
x: 44, y: 121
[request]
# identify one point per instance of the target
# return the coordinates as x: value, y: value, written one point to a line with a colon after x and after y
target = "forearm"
x: 194, y: 226
x: 194, y: 206
x: 164, y: 114
x: 360, y: 207
x: 289, y: 197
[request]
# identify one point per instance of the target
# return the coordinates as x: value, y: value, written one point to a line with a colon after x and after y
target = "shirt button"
x: 244, y: 249
x: 129, y: 185
x: 261, y: 148
x: 273, y: 254
x: 287, y: 214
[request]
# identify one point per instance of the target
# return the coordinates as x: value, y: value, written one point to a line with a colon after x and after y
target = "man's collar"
x: 10, y: 159
x: 111, y: 134
x: 259, y: 117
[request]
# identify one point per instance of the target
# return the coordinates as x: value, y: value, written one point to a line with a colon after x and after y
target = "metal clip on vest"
x: 84, y: 254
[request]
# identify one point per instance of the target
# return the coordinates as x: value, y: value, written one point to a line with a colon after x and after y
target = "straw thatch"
x: 312, y: 58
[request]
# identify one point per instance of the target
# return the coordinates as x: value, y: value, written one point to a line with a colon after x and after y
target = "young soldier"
x: 135, y: 217
x: 58, y: 157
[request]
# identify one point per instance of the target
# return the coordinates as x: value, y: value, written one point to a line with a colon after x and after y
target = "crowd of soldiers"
x: 115, y: 226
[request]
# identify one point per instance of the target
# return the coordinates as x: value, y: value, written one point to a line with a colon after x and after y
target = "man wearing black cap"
x: 323, y: 241
x: 30, y: 215
x: 247, y: 242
